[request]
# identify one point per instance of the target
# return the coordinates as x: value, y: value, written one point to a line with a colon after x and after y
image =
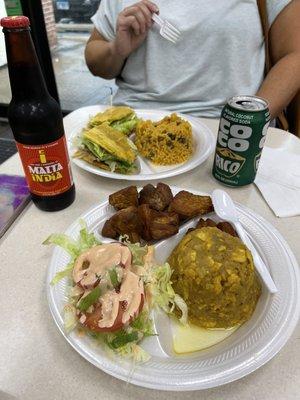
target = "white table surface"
x: 36, y: 363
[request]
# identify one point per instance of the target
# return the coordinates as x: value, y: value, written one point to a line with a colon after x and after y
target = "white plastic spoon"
x: 225, y: 209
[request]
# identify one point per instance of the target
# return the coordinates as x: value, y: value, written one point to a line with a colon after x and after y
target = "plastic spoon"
x: 225, y: 209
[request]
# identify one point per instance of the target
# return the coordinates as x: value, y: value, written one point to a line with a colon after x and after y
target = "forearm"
x: 282, y: 83
x: 103, y: 60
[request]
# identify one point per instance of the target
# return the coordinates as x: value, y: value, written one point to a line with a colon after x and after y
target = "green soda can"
x: 242, y: 133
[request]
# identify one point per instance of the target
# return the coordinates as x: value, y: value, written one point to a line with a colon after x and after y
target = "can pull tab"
x: 247, y: 105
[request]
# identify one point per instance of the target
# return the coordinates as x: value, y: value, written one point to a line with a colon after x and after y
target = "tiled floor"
x: 5, y: 131
x: 7, y: 144
x: 77, y: 87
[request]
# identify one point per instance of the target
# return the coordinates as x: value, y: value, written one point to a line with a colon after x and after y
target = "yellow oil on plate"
x: 187, y: 339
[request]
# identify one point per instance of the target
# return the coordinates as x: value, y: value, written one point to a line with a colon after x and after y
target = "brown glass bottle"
x: 36, y: 121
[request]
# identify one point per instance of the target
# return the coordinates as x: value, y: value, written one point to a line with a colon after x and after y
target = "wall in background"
x: 2, y: 44
x: 50, y: 22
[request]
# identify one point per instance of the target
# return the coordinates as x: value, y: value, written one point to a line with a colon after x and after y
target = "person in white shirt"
x: 220, y: 53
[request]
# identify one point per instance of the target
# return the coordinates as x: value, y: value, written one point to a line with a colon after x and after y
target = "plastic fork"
x: 167, y: 30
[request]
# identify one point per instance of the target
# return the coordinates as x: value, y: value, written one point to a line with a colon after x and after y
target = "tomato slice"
x: 92, y: 319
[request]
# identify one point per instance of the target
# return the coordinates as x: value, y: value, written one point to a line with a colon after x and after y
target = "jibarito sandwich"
x: 107, y: 148
x: 122, y: 119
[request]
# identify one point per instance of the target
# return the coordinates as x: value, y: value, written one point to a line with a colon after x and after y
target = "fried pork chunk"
x: 157, y: 224
x: 108, y: 230
x: 163, y: 225
x: 223, y: 226
x: 158, y: 198
x: 144, y: 212
x: 124, y: 222
x: 154, y: 213
x: 124, y: 198
x: 202, y: 223
x: 189, y: 205
x: 165, y: 192
x: 206, y: 222
x: 227, y: 227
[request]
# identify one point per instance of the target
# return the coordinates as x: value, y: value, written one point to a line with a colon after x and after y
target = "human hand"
x: 133, y: 24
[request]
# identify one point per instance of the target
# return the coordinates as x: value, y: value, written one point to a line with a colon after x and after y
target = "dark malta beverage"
x: 36, y: 121
x: 242, y: 132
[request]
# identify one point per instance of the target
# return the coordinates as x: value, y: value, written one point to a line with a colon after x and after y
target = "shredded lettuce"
x: 70, y: 318
x: 134, y: 352
x: 98, y: 151
x: 63, y: 274
x: 86, y: 239
x: 73, y: 247
x: 140, y: 327
x: 64, y: 241
x: 109, y: 159
x: 125, y: 125
x: 122, y: 339
x: 137, y: 250
x: 163, y: 294
x: 182, y: 306
x: 124, y: 343
x: 143, y: 323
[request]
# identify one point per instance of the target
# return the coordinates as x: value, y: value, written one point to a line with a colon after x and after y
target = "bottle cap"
x: 19, y: 21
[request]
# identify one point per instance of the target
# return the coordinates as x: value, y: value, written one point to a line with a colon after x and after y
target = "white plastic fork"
x: 167, y: 30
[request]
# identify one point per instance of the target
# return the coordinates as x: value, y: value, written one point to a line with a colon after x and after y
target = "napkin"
x: 278, y: 179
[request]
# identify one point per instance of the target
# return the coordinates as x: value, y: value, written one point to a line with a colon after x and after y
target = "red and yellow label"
x: 47, y: 167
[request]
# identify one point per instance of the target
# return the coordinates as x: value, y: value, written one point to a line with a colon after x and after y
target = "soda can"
x: 242, y: 133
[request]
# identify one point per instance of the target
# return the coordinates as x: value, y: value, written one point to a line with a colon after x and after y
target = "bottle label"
x: 47, y: 167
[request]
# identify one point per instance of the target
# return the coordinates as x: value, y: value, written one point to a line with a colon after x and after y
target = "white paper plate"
x: 251, y: 346
x: 204, y: 143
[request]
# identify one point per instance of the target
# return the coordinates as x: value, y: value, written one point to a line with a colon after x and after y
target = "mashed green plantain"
x: 215, y: 275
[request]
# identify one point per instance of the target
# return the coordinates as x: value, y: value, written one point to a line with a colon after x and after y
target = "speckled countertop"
x: 36, y: 363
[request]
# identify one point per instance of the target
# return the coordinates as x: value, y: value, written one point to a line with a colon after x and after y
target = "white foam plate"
x: 204, y: 143
x: 248, y: 348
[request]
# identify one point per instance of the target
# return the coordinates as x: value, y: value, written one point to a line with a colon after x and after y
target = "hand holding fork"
x: 167, y: 30
x: 133, y: 24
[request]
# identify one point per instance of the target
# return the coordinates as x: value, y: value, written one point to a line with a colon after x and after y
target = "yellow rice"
x: 166, y: 142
